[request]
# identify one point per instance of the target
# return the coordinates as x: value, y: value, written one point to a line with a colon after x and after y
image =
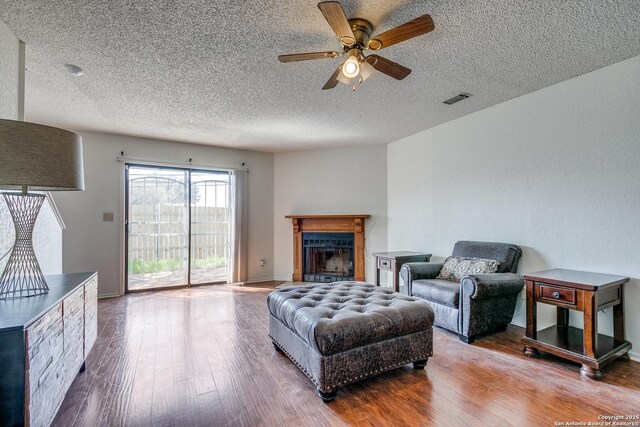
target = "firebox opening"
x: 328, y: 257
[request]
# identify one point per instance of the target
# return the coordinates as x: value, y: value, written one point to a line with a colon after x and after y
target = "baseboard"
x: 267, y: 279
x: 105, y: 296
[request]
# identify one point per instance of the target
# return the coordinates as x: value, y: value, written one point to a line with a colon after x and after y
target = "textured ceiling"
x: 207, y: 71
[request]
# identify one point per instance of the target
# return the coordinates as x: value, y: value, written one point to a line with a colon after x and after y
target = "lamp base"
x: 22, y: 276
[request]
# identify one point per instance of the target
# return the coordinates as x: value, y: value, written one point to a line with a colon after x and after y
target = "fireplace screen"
x: 328, y: 257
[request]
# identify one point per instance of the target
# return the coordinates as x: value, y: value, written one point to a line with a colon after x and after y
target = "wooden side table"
x: 392, y: 261
x: 584, y: 292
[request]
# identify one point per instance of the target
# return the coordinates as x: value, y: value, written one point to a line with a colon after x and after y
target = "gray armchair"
x: 480, y: 303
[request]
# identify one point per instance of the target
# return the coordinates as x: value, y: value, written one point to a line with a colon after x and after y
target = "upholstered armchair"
x: 478, y: 303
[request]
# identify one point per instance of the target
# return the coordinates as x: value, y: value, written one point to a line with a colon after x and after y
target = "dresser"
x: 44, y: 341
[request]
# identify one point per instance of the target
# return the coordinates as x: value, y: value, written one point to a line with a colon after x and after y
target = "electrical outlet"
x: 261, y: 263
x: 107, y: 216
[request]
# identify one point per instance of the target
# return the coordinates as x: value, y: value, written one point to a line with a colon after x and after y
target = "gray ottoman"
x: 342, y: 332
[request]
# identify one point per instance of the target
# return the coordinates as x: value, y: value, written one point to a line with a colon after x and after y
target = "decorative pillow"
x: 455, y: 267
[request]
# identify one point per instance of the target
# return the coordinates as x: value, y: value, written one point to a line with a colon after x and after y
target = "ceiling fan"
x: 355, y: 37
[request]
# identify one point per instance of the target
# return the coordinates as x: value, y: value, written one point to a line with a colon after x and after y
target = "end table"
x: 584, y: 292
x: 392, y: 261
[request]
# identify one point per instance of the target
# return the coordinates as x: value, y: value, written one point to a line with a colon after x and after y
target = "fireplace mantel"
x: 329, y: 224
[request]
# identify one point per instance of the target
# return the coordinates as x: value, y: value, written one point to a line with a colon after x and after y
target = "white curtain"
x: 238, y: 203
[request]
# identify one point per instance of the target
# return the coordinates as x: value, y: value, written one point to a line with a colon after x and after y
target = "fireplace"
x: 328, y: 248
x: 327, y: 257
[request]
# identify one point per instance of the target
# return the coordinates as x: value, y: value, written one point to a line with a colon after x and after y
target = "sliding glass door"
x: 210, y: 222
x: 177, y: 223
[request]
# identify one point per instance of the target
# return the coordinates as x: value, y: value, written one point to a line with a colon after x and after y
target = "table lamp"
x: 33, y: 158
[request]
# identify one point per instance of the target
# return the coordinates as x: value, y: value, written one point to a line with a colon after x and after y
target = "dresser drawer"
x: 90, y: 314
x: 73, y: 319
x: 384, y: 263
x: 555, y: 294
x: 44, y: 374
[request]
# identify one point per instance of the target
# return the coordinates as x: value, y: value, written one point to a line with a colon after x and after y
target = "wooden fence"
x: 160, y: 233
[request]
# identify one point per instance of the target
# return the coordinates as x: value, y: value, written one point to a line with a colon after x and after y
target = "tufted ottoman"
x: 342, y: 332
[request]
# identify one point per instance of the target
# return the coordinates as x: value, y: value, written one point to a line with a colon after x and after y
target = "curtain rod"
x: 186, y: 165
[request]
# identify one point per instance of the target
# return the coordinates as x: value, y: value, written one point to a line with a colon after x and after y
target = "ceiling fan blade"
x: 307, y: 56
x: 333, y: 12
x: 406, y: 31
x: 333, y: 80
x: 390, y: 68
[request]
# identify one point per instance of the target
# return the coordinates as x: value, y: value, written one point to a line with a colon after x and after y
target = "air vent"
x: 456, y: 98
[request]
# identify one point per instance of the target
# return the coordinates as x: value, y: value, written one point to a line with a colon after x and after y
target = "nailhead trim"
x: 313, y: 380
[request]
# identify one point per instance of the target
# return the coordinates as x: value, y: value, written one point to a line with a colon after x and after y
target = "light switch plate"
x: 107, y: 216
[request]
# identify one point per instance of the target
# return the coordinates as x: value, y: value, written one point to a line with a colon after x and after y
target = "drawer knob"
x: 556, y: 294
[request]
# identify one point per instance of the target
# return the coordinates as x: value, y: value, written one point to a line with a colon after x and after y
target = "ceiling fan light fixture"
x: 343, y: 79
x: 366, y: 70
x: 355, y: 36
x: 351, y: 67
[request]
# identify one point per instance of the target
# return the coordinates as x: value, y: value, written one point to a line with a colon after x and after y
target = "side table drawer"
x: 554, y: 294
x: 384, y: 263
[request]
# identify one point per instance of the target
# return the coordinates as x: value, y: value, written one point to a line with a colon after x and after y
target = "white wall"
x: 47, y: 236
x: 330, y: 181
x: 8, y: 73
x: 93, y: 245
x: 555, y: 171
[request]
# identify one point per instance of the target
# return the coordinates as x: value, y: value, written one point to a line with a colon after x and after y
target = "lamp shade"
x: 40, y: 157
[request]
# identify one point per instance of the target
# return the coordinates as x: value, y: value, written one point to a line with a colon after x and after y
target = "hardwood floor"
x: 202, y: 357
